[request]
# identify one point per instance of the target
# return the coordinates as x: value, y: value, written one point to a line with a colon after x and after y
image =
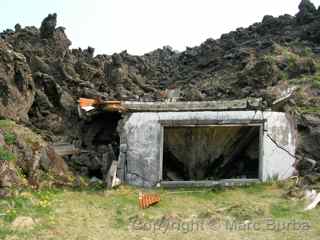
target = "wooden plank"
x: 111, y: 179
x: 65, y: 149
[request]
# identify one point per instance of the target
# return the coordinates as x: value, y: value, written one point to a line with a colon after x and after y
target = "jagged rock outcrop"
x: 48, y: 26
x: 307, y: 12
x: 16, y: 84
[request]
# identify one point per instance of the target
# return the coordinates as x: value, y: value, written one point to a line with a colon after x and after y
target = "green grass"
x: 5, y: 231
x: 31, y: 203
x: 9, y: 137
x: 28, y: 203
x: 315, y: 80
x: 6, y: 154
x: 281, y: 210
x: 309, y: 109
x: 113, y: 214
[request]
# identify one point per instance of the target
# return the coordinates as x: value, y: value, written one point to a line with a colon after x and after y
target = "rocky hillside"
x: 41, y: 79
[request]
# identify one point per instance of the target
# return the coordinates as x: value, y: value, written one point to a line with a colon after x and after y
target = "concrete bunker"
x: 165, y: 145
x: 175, y: 144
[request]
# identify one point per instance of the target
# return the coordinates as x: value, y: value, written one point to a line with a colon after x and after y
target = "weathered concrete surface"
x: 241, y: 104
x: 279, y: 146
x: 142, y: 136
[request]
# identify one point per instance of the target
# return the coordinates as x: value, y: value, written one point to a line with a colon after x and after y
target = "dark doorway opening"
x: 198, y: 153
x: 99, y: 144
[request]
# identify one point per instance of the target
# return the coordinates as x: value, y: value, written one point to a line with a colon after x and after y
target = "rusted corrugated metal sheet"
x: 146, y: 200
x: 111, y: 106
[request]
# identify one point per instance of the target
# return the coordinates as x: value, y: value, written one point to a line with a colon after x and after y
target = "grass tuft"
x: 6, y: 155
x: 9, y: 137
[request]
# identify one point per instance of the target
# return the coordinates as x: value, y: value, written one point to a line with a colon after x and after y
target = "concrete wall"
x: 142, y: 141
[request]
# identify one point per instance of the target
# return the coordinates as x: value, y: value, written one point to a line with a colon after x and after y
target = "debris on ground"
x: 313, y: 197
x: 147, y: 200
x: 305, y: 188
x: 112, y: 180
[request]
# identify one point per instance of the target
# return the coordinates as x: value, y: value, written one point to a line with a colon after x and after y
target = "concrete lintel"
x: 242, y: 104
x: 191, y: 122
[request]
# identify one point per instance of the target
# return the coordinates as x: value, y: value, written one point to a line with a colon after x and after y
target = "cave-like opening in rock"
x: 95, y: 173
x: 99, y: 145
x: 194, y: 153
x: 101, y: 130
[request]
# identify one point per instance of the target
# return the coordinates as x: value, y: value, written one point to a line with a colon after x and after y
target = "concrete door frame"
x: 196, y: 124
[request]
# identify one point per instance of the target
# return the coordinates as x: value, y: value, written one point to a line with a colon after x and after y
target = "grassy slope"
x: 70, y: 214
